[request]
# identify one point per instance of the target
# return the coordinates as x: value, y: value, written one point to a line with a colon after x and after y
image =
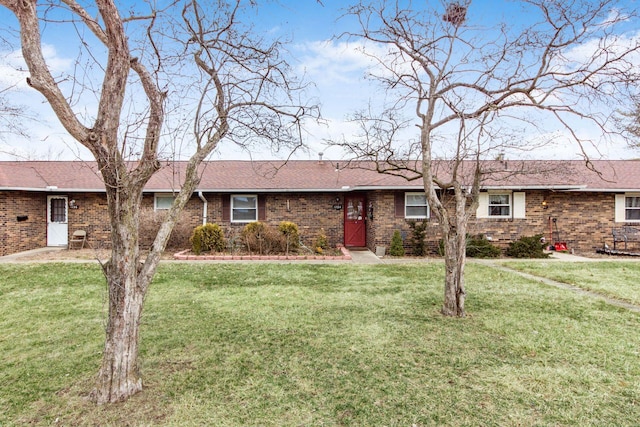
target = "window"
x: 58, y: 210
x: 627, y: 207
x: 416, y: 205
x: 499, y: 205
x: 163, y: 201
x: 502, y: 205
x: 632, y: 208
x: 244, y: 208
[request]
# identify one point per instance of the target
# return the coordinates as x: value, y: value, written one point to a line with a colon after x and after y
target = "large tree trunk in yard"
x: 119, y: 375
x: 454, y: 258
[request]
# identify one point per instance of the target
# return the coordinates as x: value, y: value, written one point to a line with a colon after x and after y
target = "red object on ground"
x: 560, y: 246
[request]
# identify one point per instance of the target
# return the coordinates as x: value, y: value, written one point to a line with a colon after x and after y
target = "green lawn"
x: 321, y: 345
x: 615, y: 279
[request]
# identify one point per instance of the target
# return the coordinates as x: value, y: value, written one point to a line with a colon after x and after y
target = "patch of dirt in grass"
x: 73, y: 407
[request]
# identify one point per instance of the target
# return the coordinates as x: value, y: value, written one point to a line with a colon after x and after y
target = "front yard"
x: 311, y: 344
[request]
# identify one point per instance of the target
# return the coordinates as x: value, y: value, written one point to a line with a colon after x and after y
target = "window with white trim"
x: 632, y: 208
x: 244, y: 208
x: 499, y: 205
x: 416, y: 206
x: 163, y: 201
x: 502, y: 205
x: 627, y: 207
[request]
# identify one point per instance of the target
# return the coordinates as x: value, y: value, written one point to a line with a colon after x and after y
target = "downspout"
x: 204, y: 207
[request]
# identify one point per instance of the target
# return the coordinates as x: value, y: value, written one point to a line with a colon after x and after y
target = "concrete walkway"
x: 20, y: 256
x: 565, y: 286
x: 357, y: 257
x: 364, y: 257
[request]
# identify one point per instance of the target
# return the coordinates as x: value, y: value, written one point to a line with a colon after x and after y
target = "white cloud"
x: 333, y: 62
x: 14, y: 71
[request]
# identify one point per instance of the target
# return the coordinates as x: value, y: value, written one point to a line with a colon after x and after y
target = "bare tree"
x: 630, y: 122
x: 11, y: 116
x: 243, y: 91
x: 475, y: 91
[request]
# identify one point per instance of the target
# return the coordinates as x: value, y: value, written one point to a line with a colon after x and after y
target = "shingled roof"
x: 323, y: 176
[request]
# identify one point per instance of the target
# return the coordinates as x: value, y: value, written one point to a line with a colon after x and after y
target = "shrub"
x: 206, y: 238
x: 476, y: 247
x: 262, y: 239
x: 150, y: 221
x: 418, y: 233
x: 292, y: 237
x: 321, y: 243
x: 396, y: 248
x: 479, y: 247
x: 527, y: 247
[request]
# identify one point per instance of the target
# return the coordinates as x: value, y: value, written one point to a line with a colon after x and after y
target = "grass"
x: 320, y: 345
x: 614, y: 279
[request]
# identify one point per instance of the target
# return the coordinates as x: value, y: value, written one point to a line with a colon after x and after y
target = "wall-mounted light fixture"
x: 370, y: 211
x: 544, y: 204
x: 72, y: 204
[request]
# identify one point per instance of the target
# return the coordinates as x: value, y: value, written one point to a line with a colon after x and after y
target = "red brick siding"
x: 18, y: 236
x: 584, y: 220
x: 311, y: 212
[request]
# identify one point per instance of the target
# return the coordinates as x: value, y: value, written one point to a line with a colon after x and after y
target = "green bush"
x: 206, y: 238
x: 527, y: 247
x: 479, y: 247
x: 396, y: 249
x: 476, y: 247
x: 418, y: 233
x: 291, y: 234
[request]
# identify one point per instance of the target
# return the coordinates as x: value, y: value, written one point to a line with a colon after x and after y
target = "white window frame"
x: 161, y: 206
x: 621, y: 208
x: 233, y: 208
x: 406, y: 204
x: 509, y: 205
x: 517, y: 205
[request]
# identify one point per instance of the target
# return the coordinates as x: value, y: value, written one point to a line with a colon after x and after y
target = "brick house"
x: 43, y: 202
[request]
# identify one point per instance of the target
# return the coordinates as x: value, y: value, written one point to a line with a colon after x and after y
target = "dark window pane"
x: 632, y: 214
x: 417, y: 211
x: 499, y: 210
x: 58, y: 210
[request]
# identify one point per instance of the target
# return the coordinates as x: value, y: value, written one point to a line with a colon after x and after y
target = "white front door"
x: 57, y: 224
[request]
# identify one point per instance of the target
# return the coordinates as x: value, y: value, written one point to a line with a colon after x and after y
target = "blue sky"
x: 333, y: 65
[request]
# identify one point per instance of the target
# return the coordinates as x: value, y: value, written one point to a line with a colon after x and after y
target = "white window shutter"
x: 519, y: 205
x: 620, y: 208
x: 483, y: 205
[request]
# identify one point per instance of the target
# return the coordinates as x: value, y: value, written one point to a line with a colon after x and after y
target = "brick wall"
x: 92, y: 216
x: 22, y: 221
x: 310, y: 212
x: 584, y: 220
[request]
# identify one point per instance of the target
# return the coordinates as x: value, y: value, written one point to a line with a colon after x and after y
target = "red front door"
x: 355, y: 231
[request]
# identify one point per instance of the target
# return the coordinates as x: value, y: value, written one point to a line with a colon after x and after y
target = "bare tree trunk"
x: 119, y: 376
x: 454, y: 259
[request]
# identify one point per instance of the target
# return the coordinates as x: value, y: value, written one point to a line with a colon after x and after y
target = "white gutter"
x: 204, y: 207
